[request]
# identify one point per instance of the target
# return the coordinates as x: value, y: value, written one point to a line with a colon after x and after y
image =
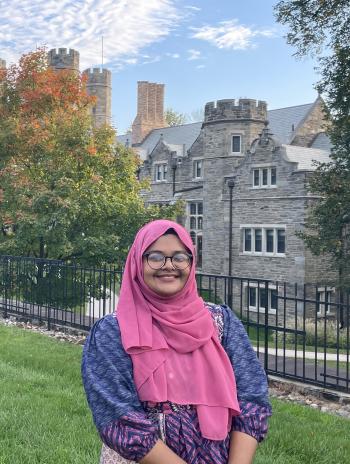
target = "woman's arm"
x: 242, y: 448
x: 107, y: 375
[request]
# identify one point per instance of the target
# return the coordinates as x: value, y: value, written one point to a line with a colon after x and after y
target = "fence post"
x: 266, y: 328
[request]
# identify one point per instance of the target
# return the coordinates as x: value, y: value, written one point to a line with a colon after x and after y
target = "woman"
x: 171, y: 379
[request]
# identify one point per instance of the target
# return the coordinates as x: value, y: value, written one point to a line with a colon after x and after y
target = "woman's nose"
x: 168, y: 263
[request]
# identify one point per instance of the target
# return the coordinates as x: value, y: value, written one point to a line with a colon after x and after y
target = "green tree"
x: 321, y: 29
x: 173, y: 118
x: 68, y: 192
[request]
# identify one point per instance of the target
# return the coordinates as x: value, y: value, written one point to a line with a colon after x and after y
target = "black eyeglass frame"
x: 190, y: 259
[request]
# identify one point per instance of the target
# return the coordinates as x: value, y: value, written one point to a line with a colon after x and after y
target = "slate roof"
x: 305, y: 156
x: 282, y: 122
x: 322, y: 142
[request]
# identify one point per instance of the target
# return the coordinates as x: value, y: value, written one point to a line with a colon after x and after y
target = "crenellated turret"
x: 64, y: 58
x: 99, y: 84
x: 244, y: 108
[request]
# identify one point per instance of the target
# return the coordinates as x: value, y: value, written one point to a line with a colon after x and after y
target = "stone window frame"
x: 322, y: 303
x: 196, y: 232
x: 261, y: 170
x: 194, y: 161
x: 164, y: 171
x: 264, y: 241
x: 240, y: 152
x: 247, y: 286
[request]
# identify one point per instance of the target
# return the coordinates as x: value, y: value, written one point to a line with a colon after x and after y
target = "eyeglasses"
x: 157, y: 260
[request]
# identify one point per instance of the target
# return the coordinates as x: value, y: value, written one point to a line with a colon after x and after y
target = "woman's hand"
x: 242, y: 448
x: 161, y: 454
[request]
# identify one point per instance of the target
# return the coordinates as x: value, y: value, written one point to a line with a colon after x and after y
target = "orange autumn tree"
x: 68, y: 192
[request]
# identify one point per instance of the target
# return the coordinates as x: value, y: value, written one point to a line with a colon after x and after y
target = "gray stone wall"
x: 222, y: 120
x: 282, y: 205
x: 99, y: 85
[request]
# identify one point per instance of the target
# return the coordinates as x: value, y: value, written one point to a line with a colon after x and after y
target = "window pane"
x: 273, y: 176
x: 165, y: 170
x: 269, y: 241
x: 236, y: 144
x: 274, y: 299
x: 258, y: 240
x: 193, y: 223
x: 256, y: 177
x: 199, y: 250
x: 247, y: 240
x: 193, y: 237
x: 200, y: 208
x: 252, y: 297
x: 281, y: 241
x: 193, y: 208
x: 263, y: 297
x: 264, y: 176
x: 200, y: 223
x: 199, y: 169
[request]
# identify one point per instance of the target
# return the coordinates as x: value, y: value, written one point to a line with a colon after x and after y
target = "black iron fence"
x: 299, y: 332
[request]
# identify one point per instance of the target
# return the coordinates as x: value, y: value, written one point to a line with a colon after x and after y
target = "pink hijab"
x: 173, y: 342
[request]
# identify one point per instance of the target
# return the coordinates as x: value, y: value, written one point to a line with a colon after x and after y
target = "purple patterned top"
x: 132, y: 428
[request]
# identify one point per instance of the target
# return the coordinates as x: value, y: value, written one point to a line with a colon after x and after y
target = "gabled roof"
x: 282, y: 123
x: 305, y: 156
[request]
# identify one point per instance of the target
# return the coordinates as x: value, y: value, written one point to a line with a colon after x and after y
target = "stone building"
x: 263, y: 165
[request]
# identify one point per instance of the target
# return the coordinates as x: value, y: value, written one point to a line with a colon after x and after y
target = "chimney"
x: 150, y: 110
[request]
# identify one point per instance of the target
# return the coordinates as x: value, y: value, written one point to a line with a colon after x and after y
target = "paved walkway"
x: 308, y: 354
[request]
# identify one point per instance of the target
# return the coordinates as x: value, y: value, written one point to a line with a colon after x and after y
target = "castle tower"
x: 229, y: 128
x: 99, y: 84
x: 150, y: 110
x: 64, y: 59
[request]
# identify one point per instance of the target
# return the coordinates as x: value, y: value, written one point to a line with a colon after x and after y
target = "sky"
x: 202, y: 50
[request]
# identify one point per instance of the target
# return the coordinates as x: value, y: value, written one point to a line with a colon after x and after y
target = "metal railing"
x: 299, y: 332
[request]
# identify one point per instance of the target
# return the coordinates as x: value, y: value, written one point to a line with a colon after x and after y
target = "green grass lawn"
x: 44, y: 417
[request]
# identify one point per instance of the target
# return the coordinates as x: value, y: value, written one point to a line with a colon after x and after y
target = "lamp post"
x: 230, y: 184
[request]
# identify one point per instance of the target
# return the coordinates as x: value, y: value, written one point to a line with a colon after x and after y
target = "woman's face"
x: 166, y: 281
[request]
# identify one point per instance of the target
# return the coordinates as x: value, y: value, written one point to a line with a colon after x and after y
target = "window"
x: 236, y: 144
x: 197, y: 169
x: 258, y: 297
x: 160, y: 172
x: 196, y: 226
x: 264, y: 177
x: 264, y: 240
x: 323, y: 300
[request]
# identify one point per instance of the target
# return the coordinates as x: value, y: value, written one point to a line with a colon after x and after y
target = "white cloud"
x: 200, y: 66
x: 193, y: 8
x: 127, y: 27
x: 230, y: 35
x: 193, y: 54
x: 173, y: 55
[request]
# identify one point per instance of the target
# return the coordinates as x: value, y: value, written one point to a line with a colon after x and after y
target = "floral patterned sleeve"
x: 252, y: 387
x: 107, y: 375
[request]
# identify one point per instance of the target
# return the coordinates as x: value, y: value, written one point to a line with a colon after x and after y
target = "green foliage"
x: 173, y: 118
x: 68, y: 191
x: 322, y: 29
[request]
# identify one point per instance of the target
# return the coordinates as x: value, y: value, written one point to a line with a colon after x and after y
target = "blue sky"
x: 202, y: 50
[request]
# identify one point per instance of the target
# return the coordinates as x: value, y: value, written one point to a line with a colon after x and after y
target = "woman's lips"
x: 167, y: 277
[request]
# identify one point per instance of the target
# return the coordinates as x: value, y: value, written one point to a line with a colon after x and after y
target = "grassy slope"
x: 44, y: 417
